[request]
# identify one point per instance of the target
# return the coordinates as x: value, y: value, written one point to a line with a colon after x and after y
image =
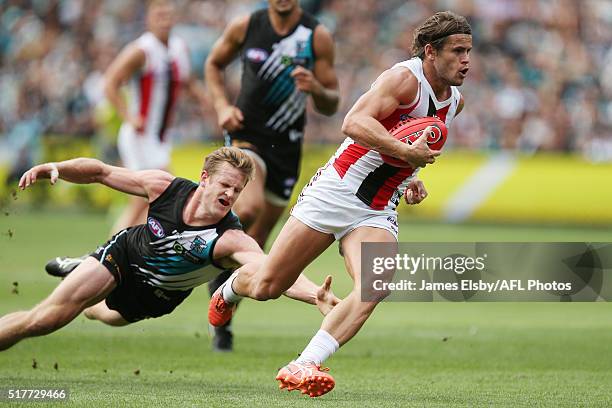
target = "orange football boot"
x: 309, y: 378
x: 219, y: 311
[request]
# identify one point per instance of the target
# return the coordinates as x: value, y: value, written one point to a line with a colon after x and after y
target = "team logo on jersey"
x: 256, y: 54
x: 198, y: 245
x: 155, y: 227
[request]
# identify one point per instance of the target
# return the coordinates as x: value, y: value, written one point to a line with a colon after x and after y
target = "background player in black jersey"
x: 146, y: 271
x: 286, y: 56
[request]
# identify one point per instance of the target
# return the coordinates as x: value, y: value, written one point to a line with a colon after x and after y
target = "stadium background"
x: 529, y: 159
x: 540, y: 82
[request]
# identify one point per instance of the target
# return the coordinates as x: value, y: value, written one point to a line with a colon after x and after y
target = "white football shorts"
x: 327, y: 205
x: 142, y: 151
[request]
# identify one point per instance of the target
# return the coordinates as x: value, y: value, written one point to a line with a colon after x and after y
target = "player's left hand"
x: 305, y: 80
x: 326, y: 300
x: 47, y: 170
x: 415, y: 192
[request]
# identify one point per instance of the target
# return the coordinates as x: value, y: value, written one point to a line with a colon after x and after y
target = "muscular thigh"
x: 253, y: 193
x: 89, y: 283
x: 294, y: 249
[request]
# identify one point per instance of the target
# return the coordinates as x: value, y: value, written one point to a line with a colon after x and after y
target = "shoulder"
x: 230, y: 222
x: 156, y: 182
x: 460, y: 104
x: 398, y: 83
x: 237, y: 28
x: 134, y: 54
x: 399, y: 79
x: 323, y: 42
x: 177, y: 42
x: 145, y: 42
x: 309, y: 20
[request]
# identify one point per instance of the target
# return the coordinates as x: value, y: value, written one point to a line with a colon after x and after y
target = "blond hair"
x: 436, y: 29
x: 234, y: 157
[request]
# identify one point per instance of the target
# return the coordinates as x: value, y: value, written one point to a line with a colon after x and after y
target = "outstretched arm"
x: 146, y: 183
x: 236, y: 248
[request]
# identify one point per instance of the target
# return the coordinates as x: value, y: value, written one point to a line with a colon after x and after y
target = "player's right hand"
x: 47, y: 170
x: 137, y: 123
x: 420, y: 154
x: 230, y: 118
x: 326, y: 300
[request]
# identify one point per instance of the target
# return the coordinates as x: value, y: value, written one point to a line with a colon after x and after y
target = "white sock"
x: 228, y: 292
x: 319, y: 349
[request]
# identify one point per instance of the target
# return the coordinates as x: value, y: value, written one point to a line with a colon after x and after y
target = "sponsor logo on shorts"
x: 393, y: 221
x: 160, y: 294
x: 155, y: 227
x: 109, y: 258
x: 256, y: 54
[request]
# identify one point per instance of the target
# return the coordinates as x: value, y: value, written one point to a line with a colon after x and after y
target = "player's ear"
x: 430, y: 51
x: 203, y: 177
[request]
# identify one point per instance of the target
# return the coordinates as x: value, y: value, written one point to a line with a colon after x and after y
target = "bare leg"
x: 89, y: 283
x: 134, y: 214
x: 101, y: 312
x: 345, y: 320
x: 296, y: 246
x: 262, y: 227
x: 251, y: 202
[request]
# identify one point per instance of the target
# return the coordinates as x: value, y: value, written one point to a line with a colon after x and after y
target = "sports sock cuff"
x: 321, y: 346
x: 228, y: 292
x: 329, y: 338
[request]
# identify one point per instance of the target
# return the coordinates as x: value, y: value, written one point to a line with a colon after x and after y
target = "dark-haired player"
x: 353, y: 198
x: 286, y: 56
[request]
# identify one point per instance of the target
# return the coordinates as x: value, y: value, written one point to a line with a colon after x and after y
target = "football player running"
x: 353, y: 198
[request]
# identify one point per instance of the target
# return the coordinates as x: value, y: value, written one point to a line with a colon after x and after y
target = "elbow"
x: 348, y: 126
x: 110, y: 88
x: 98, y: 170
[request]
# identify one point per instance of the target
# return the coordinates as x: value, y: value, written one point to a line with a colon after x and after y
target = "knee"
x: 370, y: 297
x: 266, y: 290
x: 89, y: 313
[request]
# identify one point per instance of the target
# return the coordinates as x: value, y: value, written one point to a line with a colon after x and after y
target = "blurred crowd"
x: 540, y: 77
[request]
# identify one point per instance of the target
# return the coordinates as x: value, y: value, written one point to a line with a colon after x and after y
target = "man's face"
x: 283, y: 7
x: 453, y: 60
x: 222, y: 189
x: 160, y: 19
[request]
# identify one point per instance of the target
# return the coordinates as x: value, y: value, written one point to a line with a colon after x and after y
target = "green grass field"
x: 409, y: 354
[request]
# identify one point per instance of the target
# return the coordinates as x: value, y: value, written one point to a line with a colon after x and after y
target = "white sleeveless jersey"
x: 377, y: 184
x: 155, y: 88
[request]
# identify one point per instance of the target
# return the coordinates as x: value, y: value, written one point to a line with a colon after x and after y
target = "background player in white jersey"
x: 351, y: 199
x: 156, y: 65
x: 146, y: 271
x: 286, y: 56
